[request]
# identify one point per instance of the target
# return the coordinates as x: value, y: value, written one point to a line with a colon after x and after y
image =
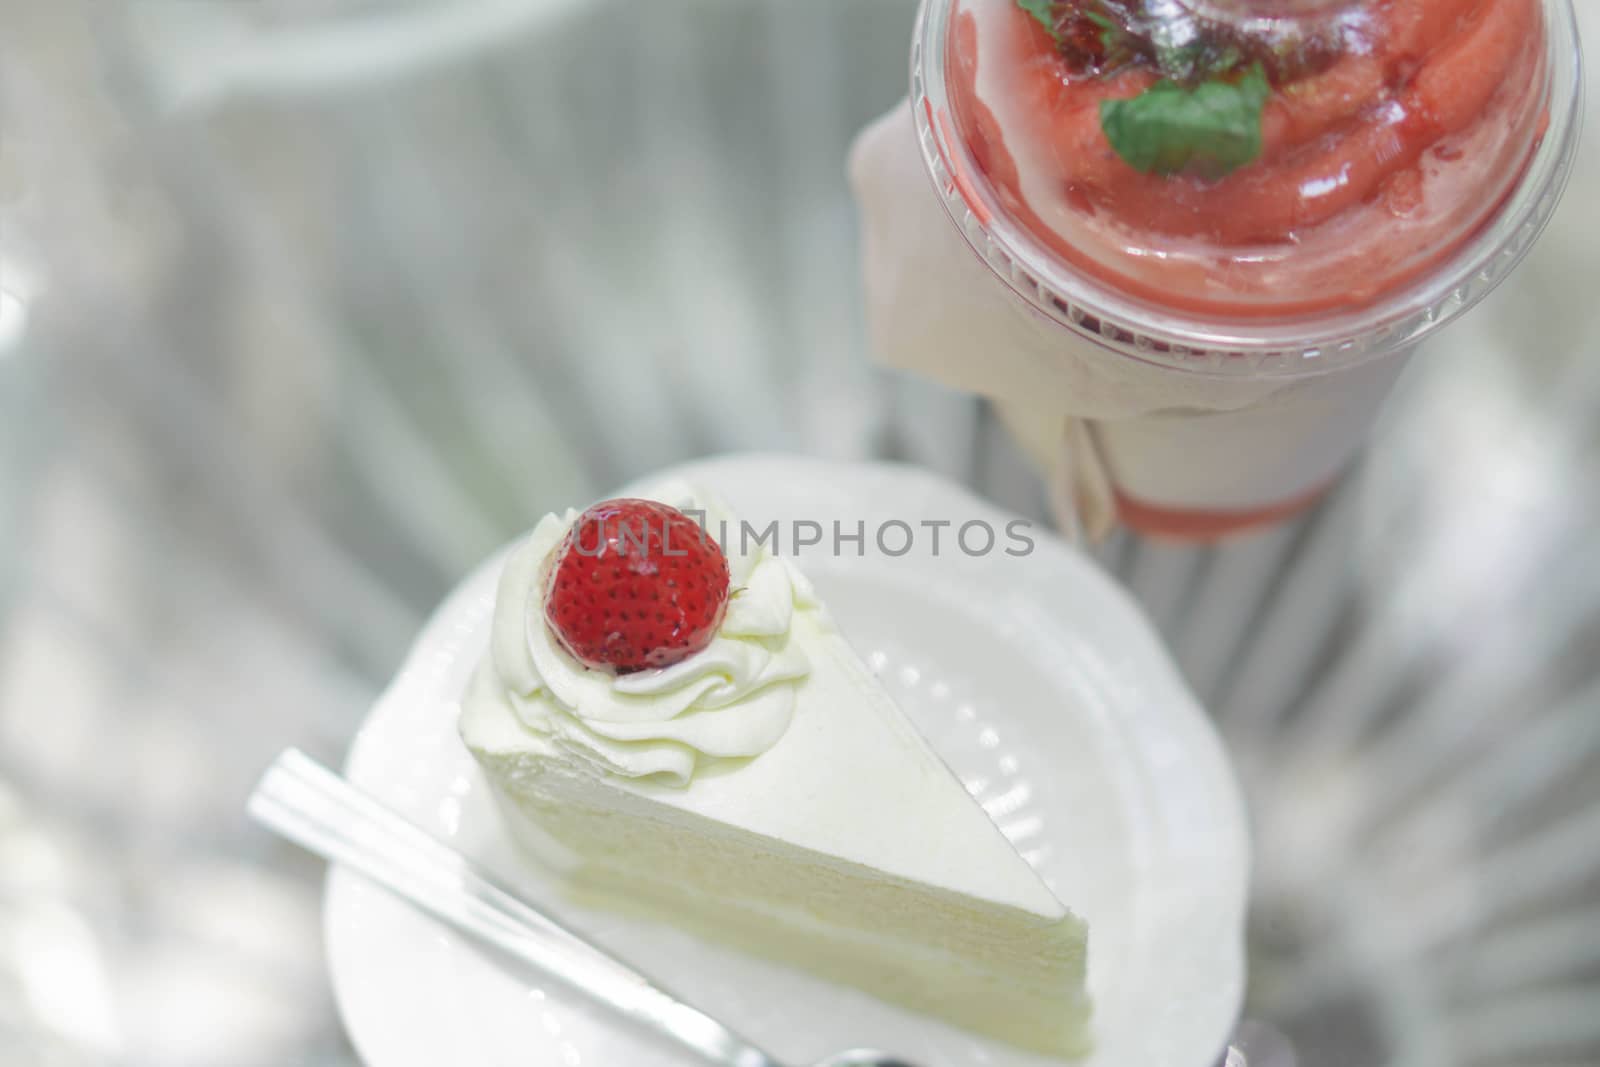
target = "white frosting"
x: 733, y: 699
x: 841, y: 772
x: 851, y: 782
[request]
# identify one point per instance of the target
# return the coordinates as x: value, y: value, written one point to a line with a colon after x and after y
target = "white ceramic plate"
x: 1035, y: 677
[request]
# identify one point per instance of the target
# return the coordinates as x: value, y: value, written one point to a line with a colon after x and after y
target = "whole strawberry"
x: 636, y: 585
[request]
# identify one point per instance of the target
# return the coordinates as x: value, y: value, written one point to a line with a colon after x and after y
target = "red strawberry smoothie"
x: 1380, y: 155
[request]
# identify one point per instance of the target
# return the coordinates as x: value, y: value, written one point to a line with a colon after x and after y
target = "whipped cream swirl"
x: 733, y: 699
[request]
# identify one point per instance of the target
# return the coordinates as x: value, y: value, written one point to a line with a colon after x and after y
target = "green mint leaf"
x: 1211, y: 129
x: 1044, y: 11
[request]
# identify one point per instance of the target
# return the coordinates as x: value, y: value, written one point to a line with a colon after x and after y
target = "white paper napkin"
x: 936, y: 309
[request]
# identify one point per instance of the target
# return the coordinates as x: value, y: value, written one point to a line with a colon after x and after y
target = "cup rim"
x: 1222, y: 347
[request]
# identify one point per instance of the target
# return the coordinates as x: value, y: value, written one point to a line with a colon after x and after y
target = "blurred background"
x: 307, y: 305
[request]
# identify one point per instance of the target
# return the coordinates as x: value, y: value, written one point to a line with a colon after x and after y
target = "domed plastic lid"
x: 1301, y: 183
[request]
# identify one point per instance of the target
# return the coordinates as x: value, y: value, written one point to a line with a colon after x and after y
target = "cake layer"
x: 715, y: 860
x: 989, y: 968
x: 989, y: 1001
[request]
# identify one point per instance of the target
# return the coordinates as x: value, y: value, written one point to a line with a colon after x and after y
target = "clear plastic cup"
x: 1329, y: 310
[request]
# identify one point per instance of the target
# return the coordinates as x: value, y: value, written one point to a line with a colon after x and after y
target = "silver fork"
x: 313, y: 807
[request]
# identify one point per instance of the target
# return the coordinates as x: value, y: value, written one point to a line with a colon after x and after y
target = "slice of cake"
x: 683, y: 728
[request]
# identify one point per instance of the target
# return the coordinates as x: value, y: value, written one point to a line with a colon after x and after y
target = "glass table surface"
x: 305, y: 307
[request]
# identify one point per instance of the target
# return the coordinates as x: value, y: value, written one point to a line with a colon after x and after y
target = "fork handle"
x: 316, y: 809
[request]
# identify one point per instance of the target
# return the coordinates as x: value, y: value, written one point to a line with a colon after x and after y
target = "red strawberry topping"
x: 636, y: 585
